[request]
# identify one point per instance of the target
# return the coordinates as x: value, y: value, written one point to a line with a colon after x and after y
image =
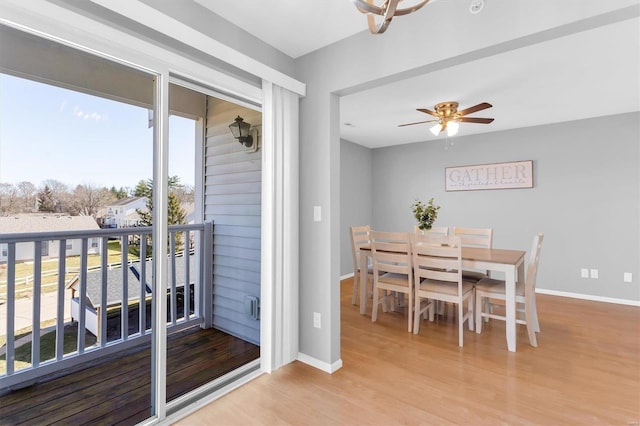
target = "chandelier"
x: 384, y: 13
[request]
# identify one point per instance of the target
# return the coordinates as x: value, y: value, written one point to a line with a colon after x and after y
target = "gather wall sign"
x: 518, y: 174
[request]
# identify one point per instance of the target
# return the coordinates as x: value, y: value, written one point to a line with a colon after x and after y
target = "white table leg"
x: 510, y: 294
x: 364, y: 284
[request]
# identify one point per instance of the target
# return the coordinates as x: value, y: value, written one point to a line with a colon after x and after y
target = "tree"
x: 119, y: 194
x: 175, y: 213
x: 88, y: 199
x: 143, y: 188
x: 59, y: 196
x: 28, y: 196
x: 8, y: 199
x: 46, y: 200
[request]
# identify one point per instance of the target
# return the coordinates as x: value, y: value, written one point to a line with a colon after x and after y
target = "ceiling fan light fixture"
x: 436, y: 129
x: 452, y: 128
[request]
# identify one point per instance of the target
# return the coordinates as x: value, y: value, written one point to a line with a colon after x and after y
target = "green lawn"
x: 47, y: 346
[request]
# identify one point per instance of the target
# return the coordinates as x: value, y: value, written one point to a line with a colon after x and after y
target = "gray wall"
x: 586, y: 197
x: 233, y: 201
x: 363, y: 61
x: 356, y: 205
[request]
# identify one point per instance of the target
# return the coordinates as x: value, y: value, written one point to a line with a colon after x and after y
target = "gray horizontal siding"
x: 234, y: 231
x: 255, y: 176
x: 233, y: 185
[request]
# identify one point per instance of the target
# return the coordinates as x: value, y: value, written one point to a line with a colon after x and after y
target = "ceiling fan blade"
x: 428, y: 111
x: 417, y: 122
x: 475, y: 108
x: 475, y: 120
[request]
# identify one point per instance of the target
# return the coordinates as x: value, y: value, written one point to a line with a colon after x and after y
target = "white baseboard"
x: 589, y: 297
x: 344, y: 277
x: 320, y: 365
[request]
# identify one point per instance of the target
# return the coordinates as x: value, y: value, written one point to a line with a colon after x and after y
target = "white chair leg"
x: 356, y: 280
x: 478, y: 314
x: 460, y: 323
x: 417, y: 316
x: 534, y: 308
x: 487, y: 308
x: 374, y: 312
x: 470, y: 312
x: 528, y: 316
x: 410, y: 310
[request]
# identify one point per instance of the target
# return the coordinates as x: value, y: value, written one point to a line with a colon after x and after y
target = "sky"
x: 47, y: 132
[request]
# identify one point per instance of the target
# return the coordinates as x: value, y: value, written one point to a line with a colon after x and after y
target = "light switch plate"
x: 594, y: 273
x: 628, y: 277
x: 584, y: 273
x: 317, y: 323
x: 317, y: 213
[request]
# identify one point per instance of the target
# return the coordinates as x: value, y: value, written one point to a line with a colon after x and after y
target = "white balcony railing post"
x: 207, y: 272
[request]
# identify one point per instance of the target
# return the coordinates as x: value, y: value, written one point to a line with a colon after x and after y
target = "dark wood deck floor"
x: 119, y: 391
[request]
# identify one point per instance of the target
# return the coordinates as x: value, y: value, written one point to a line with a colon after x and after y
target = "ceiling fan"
x: 448, y: 117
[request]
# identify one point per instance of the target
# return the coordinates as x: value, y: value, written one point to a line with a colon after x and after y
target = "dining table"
x: 509, y: 262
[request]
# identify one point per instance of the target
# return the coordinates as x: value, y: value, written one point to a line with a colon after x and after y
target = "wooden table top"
x: 505, y: 256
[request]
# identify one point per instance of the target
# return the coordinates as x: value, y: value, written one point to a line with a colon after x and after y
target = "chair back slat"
x: 440, y: 230
x: 360, y: 236
x: 391, y: 252
x: 437, y: 258
x: 474, y: 237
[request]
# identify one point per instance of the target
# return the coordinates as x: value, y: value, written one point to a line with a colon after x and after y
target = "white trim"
x: 153, y: 18
x: 344, y: 277
x: 280, y: 234
x: 160, y: 234
x: 321, y: 365
x: 65, y: 26
x: 589, y: 297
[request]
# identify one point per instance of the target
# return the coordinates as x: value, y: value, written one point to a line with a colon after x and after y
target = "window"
x: 4, y: 251
x: 45, y: 248
x: 69, y: 245
x: 94, y: 243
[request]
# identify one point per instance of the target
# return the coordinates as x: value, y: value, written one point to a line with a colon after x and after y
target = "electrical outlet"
x: 628, y: 277
x: 316, y: 320
x: 594, y: 273
x: 584, y: 273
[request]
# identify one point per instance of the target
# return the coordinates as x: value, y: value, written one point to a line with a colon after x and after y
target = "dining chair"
x: 392, y: 271
x: 437, y: 266
x: 360, y: 236
x: 474, y: 237
x: 440, y: 230
x: 491, y: 289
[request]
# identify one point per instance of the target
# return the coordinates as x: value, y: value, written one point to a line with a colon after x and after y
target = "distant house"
x: 122, y: 214
x: 38, y: 223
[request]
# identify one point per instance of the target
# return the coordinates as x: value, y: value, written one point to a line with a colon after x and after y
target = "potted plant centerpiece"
x: 426, y: 215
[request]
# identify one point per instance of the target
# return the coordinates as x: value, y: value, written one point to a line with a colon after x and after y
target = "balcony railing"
x: 104, y: 296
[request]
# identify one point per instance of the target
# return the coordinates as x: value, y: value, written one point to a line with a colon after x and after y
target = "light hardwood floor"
x: 586, y: 371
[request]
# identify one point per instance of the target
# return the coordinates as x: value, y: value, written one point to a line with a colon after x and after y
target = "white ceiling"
x: 588, y: 74
x: 295, y: 27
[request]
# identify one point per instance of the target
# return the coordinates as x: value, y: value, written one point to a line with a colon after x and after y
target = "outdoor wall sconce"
x: 241, y: 131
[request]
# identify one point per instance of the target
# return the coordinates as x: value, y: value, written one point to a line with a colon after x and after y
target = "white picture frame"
x: 512, y: 175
